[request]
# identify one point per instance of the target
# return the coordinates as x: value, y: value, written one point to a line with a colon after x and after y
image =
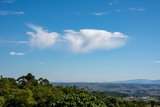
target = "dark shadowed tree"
x: 27, y: 81
x: 43, y: 81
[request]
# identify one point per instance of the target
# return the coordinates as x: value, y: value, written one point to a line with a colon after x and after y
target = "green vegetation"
x: 27, y: 91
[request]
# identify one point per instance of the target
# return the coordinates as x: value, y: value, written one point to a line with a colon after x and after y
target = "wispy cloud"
x: 17, y: 53
x: 6, y: 12
x: 22, y: 42
x: 93, y: 13
x: 99, y: 13
x: 78, y: 13
x: 13, y: 42
x: 110, y: 3
x: 41, y: 38
x: 115, y: 6
x: 8, y: 1
x: 117, y: 10
x: 42, y: 63
x: 137, y: 9
x: 158, y: 61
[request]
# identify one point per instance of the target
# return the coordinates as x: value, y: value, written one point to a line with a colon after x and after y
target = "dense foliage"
x: 27, y: 91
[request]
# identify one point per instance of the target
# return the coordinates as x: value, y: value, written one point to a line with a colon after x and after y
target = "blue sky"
x: 80, y: 40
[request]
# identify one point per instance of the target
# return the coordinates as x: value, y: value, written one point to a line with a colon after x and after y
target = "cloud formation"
x: 16, y: 53
x: 87, y: 40
x: 42, y: 38
x: 6, y: 12
x: 82, y: 41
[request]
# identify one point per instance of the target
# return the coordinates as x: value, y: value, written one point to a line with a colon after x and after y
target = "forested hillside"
x: 27, y: 91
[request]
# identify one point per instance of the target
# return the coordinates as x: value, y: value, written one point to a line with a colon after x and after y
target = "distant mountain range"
x: 139, y: 81
x: 136, y: 87
x: 133, y: 81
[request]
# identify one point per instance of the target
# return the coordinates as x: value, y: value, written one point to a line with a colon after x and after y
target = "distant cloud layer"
x: 84, y: 40
x: 6, y: 12
x: 16, y: 53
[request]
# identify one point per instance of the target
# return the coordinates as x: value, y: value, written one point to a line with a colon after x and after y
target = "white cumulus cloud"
x: 41, y: 38
x: 16, y: 53
x: 86, y: 40
x: 82, y: 41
